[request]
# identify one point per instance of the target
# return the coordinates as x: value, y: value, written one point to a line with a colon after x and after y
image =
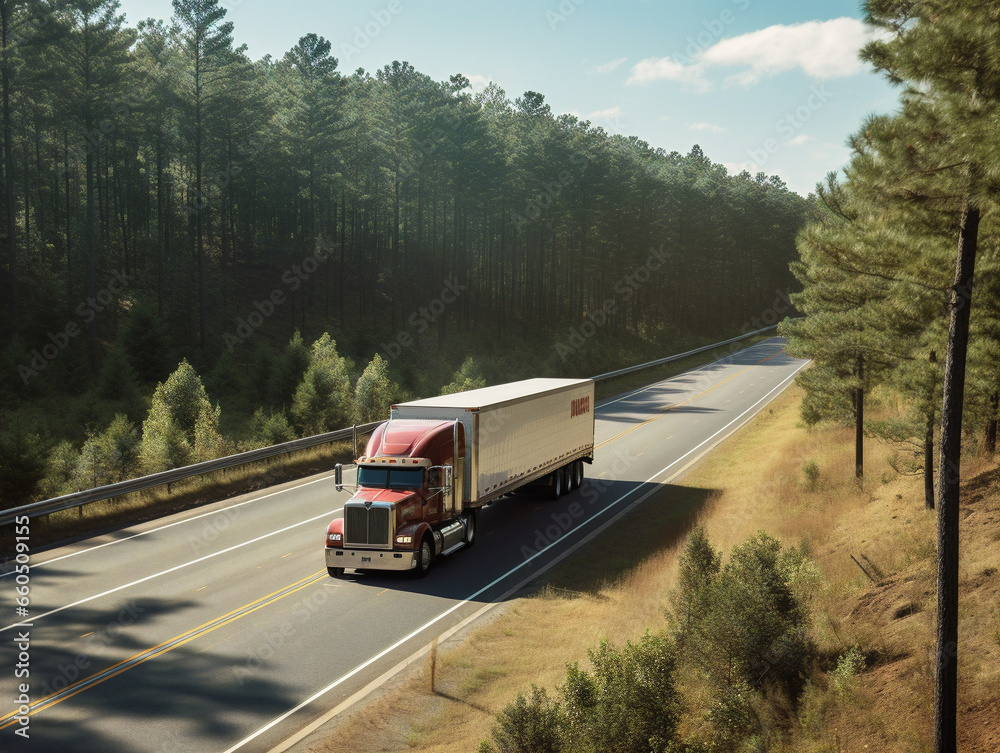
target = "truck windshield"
x: 391, y: 478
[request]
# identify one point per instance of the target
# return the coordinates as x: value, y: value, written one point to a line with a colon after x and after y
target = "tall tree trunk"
x: 949, y: 476
x: 6, y: 9
x: 929, y: 444
x: 859, y: 421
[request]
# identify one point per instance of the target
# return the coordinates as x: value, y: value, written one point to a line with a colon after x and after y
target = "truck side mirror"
x: 446, y: 476
x: 338, y: 477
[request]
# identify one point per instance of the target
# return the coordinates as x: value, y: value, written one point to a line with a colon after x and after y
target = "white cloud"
x: 612, y: 113
x: 735, y: 168
x: 477, y: 83
x: 822, y: 49
x: 802, y: 138
x: 610, y: 65
x: 707, y: 127
x: 655, y: 69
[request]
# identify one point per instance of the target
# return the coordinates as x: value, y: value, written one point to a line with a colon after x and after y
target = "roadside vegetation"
x: 813, y: 637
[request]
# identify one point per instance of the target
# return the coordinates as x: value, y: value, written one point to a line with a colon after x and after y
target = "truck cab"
x: 407, y: 507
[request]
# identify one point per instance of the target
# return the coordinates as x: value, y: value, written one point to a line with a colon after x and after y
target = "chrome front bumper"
x: 373, y: 559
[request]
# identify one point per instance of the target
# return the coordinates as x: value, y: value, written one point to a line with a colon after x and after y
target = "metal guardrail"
x: 77, y: 499
x: 679, y: 356
x: 68, y: 501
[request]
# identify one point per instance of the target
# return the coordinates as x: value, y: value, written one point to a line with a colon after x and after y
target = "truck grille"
x: 367, y: 526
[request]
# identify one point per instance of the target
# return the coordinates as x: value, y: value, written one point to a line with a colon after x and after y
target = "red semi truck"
x: 428, y: 469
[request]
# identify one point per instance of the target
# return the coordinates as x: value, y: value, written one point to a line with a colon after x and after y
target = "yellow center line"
x: 162, y: 648
x: 683, y: 402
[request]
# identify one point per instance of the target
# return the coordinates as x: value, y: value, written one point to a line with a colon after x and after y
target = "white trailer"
x: 517, y: 433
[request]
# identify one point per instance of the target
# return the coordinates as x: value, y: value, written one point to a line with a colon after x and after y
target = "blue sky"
x: 763, y: 85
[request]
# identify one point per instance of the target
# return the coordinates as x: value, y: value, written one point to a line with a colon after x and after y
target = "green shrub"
x: 324, y: 400
x: 628, y: 703
x: 60, y: 470
x: 698, y: 567
x: 375, y: 392
x: 181, y: 426
x: 468, y: 377
x: 108, y: 457
x: 527, y: 726
x: 289, y: 371
x: 270, y: 428
x: 811, y: 471
x: 849, y: 665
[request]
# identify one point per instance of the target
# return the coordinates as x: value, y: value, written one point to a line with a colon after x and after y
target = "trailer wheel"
x: 578, y: 474
x: 335, y: 572
x: 470, y: 528
x: 424, y: 557
x: 558, y: 482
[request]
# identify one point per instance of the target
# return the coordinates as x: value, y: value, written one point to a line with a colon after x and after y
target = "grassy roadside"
x: 754, y: 481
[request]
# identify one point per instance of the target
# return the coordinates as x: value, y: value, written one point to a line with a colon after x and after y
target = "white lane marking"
x: 171, y: 525
x: 175, y: 568
x: 627, y: 395
x: 339, y: 681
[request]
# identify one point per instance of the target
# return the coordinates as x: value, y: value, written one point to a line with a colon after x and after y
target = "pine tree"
x: 93, y: 56
x: 207, y: 44
x: 182, y: 424
x: 375, y: 391
x: 948, y: 55
x: 324, y: 400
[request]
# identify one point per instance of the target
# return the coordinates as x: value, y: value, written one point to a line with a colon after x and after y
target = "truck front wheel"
x: 424, y: 557
x: 335, y: 572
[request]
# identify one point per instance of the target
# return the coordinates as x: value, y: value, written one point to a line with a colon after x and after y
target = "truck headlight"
x: 404, y: 539
x: 334, y: 537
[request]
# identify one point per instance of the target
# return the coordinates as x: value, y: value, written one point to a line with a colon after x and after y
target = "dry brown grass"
x: 754, y: 481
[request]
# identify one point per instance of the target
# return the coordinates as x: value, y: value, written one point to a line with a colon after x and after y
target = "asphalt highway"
x: 218, y: 629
